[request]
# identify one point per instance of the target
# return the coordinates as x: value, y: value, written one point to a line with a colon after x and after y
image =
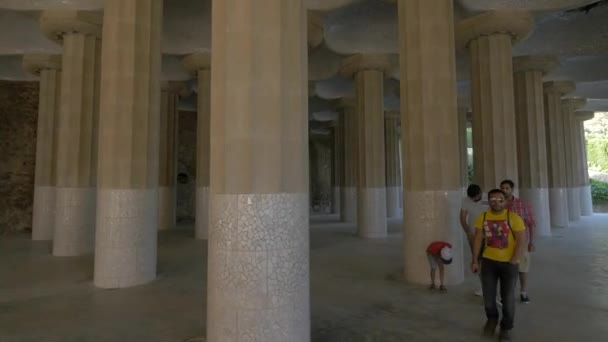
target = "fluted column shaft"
x: 258, y: 278
x: 556, y: 162
x: 393, y: 180
x: 569, y: 106
x: 579, y: 138
x: 351, y: 163
x: 431, y: 175
x: 127, y: 196
x: 463, y: 112
x: 48, y: 68
x: 531, y: 137
x: 338, y: 165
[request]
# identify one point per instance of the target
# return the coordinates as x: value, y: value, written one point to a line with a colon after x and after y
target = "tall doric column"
x: 556, y: 162
x: 368, y: 72
x: 489, y: 38
x: 48, y: 68
x: 258, y: 278
x: 351, y: 162
x: 531, y: 136
x: 393, y: 180
x: 167, y: 199
x: 463, y: 113
x: 338, y: 165
x: 569, y: 107
x: 127, y: 196
x: 579, y: 138
x: 78, y: 117
x: 431, y: 175
x: 199, y: 64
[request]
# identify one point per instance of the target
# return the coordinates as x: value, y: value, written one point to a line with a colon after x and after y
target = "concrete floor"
x: 357, y: 294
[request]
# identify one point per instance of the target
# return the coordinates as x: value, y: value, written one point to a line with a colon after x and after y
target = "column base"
x: 371, y: 213
x: 558, y: 205
x: 74, y: 221
x: 392, y: 202
x: 350, y: 204
x: 201, y: 216
x: 586, y: 201
x: 43, y: 213
x: 432, y: 216
x: 258, y: 278
x: 538, y: 199
x: 166, y: 207
x: 126, y: 238
x: 574, y: 204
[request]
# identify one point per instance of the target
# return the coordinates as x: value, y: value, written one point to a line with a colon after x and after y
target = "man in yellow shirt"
x: 504, y: 234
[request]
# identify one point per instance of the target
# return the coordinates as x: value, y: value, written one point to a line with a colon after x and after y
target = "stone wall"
x: 186, y: 167
x: 18, y: 117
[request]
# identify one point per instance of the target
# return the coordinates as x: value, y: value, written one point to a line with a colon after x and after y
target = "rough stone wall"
x: 18, y: 117
x: 186, y: 167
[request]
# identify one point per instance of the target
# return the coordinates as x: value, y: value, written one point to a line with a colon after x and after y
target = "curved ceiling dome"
x: 173, y: 69
x: 325, y: 115
x: 11, y: 69
x: 335, y: 88
x: 29, y: 39
x: 29, y: 5
x: 364, y: 27
x: 528, y: 5
x: 323, y: 63
x: 325, y: 5
x: 591, y: 90
x: 581, y: 69
x: 571, y: 33
x: 596, y: 105
x: 186, y: 26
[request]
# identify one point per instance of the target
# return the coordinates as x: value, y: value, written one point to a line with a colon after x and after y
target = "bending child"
x: 439, y: 253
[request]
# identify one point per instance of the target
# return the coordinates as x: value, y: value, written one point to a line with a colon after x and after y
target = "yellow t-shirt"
x: 500, y: 241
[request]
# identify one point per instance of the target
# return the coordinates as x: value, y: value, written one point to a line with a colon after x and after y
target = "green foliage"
x: 597, y: 153
x: 599, y: 192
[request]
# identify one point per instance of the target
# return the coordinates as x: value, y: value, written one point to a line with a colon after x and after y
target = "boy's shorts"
x: 432, y: 261
x: 524, y: 263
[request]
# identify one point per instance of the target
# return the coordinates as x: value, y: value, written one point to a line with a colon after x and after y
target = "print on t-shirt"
x: 497, y: 233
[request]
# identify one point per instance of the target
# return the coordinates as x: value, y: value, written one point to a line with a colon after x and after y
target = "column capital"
x: 355, y: 63
x: 345, y: 102
x: 197, y: 61
x: 315, y: 28
x: 56, y: 23
x: 560, y: 87
x: 542, y: 63
x: 35, y: 63
x: 176, y: 87
x: 517, y: 24
x: 574, y: 103
x: 584, y: 115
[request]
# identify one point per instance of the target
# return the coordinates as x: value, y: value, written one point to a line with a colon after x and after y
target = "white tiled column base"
x: 558, y: 205
x: 350, y: 204
x: 371, y: 213
x: 432, y: 216
x: 166, y: 207
x: 125, y: 243
x: 43, y: 213
x: 538, y: 199
x: 574, y: 204
x: 202, y: 213
x: 258, y: 268
x: 74, y: 221
x: 392, y: 201
x: 586, y: 201
x: 337, y: 197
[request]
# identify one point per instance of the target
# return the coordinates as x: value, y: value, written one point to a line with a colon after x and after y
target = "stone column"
x: 258, y: 278
x: 368, y: 72
x: 80, y: 33
x: 463, y: 113
x: 351, y: 161
x: 489, y: 38
x: 200, y: 64
x: 48, y: 68
x: 338, y: 165
x: 556, y: 162
x: 167, y: 200
x: 393, y: 180
x: 569, y: 106
x: 585, y: 186
x: 431, y: 176
x: 127, y: 199
x: 531, y: 136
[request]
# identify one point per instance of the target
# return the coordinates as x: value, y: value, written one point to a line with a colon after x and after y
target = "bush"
x: 599, y: 192
x: 597, y: 153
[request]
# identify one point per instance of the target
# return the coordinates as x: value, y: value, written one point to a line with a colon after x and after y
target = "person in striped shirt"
x: 522, y: 209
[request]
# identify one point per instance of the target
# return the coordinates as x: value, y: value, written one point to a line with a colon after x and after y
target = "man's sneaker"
x: 525, y: 299
x: 504, y: 335
x: 489, y: 328
x: 479, y: 293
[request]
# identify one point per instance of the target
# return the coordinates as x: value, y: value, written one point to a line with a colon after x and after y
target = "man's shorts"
x: 432, y: 261
x: 524, y: 263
